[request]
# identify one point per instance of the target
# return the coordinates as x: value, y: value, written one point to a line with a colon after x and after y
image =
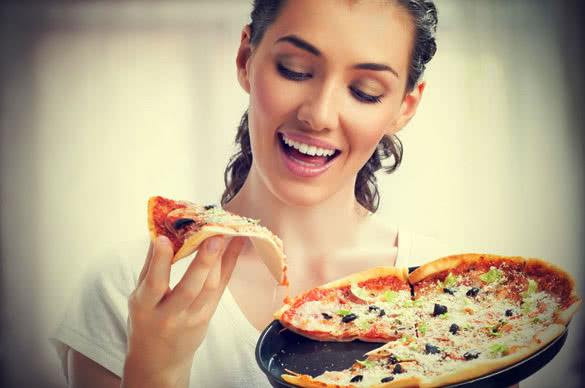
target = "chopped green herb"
x: 366, y: 363
x: 532, y: 286
x: 422, y: 328
x: 526, y: 306
x: 363, y: 325
x: 449, y: 281
x: 343, y: 312
x: 536, y: 320
x: 405, y: 339
x: 499, y: 348
x: 491, y: 276
x: 390, y: 296
x: 444, y: 316
x: 412, y: 303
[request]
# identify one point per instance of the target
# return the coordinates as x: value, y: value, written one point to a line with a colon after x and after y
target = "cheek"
x: 366, y: 128
x: 269, y: 101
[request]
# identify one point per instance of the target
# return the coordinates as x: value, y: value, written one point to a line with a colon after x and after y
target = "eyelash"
x: 358, y: 94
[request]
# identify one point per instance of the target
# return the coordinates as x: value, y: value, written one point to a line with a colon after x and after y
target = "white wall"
x: 106, y: 103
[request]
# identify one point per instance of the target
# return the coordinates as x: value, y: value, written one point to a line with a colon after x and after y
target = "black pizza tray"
x: 279, y: 349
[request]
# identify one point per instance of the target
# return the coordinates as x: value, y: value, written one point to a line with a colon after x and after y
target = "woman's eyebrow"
x: 300, y: 43
x: 304, y: 45
x: 377, y: 67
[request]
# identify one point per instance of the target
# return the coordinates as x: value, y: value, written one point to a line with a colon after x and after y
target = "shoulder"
x: 119, y: 264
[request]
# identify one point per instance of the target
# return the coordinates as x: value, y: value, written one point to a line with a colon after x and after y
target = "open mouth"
x: 309, y: 156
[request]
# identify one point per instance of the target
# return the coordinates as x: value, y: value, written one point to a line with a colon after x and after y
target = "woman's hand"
x: 165, y: 327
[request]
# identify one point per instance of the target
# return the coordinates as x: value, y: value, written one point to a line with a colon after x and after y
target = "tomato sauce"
x: 385, y: 283
x: 161, y: 208
x: 552, y: 282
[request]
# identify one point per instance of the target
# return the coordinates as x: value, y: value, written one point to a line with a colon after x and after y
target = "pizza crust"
x: 566, y: 315
x: 372, y: 273
x: 309, y: 382
x: 451, y: 262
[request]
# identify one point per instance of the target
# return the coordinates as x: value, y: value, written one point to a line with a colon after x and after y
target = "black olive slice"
x: 349, y: 317
x: 431, y: 349
x: 472, y: 291
x: 439, y: 309
x: 382, y: 313
x: 471, y: 355
x: 356, y: 379
x: 454, y: 328
x: 398, y: 369
x: 182, y: 222
x: 373, y: 308
x: 393, y: 360
x: 387, y: 379
x: 449, y: 290
x: 509, y: 313
x: 209, y: 207
x: 326, y: 316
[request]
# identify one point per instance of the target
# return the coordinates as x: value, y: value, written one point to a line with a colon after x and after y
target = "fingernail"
x: 213, y: 244
x: 162, y: 240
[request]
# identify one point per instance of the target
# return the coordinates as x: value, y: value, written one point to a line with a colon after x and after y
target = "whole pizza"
x: 451, y: 320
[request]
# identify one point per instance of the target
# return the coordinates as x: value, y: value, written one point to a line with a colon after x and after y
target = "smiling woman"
x: 330, y: 83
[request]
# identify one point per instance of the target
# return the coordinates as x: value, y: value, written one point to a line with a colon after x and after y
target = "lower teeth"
x: 303, y: 163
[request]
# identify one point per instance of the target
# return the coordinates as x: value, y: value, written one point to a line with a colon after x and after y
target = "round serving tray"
x: 279, y: 349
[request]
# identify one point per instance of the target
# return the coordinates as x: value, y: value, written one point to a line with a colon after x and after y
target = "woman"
x: 330, y: 84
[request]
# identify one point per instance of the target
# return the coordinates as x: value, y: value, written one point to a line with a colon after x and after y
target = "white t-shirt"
x: 95, y: 321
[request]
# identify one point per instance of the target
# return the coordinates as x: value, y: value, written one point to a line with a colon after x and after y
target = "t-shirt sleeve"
x: 95, y: 322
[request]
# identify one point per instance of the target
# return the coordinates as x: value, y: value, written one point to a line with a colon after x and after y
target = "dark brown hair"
x: 264, y: 13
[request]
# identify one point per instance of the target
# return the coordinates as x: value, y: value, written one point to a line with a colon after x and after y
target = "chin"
x: 301, y: 195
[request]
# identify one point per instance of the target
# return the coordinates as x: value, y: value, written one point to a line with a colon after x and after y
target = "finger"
x: 189, y: 287
x: 156, y: 281
x: 212, y: 291
x: 146, y: 263
x: 229, y: 258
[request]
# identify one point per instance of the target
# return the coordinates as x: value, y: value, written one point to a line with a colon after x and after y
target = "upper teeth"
x: 307, y: 149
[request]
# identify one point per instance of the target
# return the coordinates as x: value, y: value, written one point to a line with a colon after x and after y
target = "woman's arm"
x: 86, y: 373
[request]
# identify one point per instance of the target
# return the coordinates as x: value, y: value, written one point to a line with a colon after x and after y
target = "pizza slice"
x: 500, y: 294
x: 187, y: 225
x: 488, y: 312
x: 370, y: 306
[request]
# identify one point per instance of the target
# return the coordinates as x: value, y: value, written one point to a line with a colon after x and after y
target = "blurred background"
x: 105, y: 103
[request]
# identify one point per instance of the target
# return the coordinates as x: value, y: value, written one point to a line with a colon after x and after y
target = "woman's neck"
x: 307, y: 232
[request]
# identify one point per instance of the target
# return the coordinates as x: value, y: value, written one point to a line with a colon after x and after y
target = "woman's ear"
x: 407, y: 108
x: 242, y: 59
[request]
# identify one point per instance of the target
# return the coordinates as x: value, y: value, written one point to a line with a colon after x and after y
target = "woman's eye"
x: 292, y: 75
x: 364, y: 97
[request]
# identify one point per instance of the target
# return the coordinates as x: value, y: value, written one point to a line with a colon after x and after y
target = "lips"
x: 303, y: 165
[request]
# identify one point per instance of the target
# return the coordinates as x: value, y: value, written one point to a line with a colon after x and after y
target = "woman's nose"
x: 320, y: 108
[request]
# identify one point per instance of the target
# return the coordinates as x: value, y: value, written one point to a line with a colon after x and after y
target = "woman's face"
x: 326, y: 82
